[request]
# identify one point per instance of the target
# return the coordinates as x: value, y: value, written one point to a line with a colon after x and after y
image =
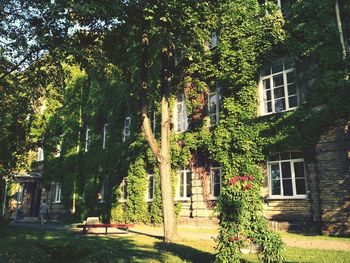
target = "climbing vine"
x: 251, y: 36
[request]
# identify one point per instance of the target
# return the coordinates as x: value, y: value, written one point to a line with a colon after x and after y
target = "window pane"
x: 268, y: 95
x: 300, y: 185
x: 212, y: 103
x: 181, y: 192
x: 286, y: 171
x: 278, y: 92
x: 278, y: 80
x: 276, y: 187
x: 293, y: 101
x: 292, y: 89
x: 299, y: 170
x: 280, y: 105
x: 188, y: 184
x: 269, y: 107
x: 266, y: 84
x: 275, y: 172
x: 291, y: 77
x: 216, y: 182
x: 287, y: 187
x: 277, y: 68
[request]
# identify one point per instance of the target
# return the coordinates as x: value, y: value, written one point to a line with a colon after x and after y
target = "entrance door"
x: 35, y: 203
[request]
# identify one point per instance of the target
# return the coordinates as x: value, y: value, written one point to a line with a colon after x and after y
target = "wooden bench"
x: 94, y: 222
x: 124, y: 227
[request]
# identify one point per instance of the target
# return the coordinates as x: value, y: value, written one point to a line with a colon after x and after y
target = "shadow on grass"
x: 185, y: 253
x: 18, y: 244
x: 29, y: 245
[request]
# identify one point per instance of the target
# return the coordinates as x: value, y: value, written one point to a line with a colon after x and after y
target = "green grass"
x: 313, y: 236
x: 18, y: 244
x: 310, y: 256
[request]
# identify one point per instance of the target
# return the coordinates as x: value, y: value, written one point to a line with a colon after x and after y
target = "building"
x: 105, y: 169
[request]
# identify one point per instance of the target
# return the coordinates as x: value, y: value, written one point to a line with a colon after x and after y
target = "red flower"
x: 251, y: 178
x: 243, y: 178
x: 249, y: 186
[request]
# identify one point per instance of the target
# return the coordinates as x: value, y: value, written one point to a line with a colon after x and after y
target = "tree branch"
x: 146, y: 124
x: 15, y: 67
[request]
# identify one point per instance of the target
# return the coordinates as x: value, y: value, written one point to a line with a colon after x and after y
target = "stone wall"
x: 334, y: 181
x: 56, y: 209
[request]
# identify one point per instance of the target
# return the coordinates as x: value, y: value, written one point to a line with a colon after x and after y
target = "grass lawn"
x: 28, y: 245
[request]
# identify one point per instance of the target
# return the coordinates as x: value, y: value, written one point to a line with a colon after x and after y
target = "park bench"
x: 93, y: 222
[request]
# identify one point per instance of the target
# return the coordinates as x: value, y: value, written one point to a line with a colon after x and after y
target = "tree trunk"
x: 340, y: 29
x: 162, y: 153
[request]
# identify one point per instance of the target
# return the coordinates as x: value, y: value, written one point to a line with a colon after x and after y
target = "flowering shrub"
x: 241, y: 182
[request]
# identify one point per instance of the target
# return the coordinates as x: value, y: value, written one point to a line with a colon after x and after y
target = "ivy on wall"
x: 250, y: 36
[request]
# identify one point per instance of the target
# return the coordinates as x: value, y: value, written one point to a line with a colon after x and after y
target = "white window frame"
x: 269, y: 77
x: 20, y: 194
x: 183, y: 173
x: 40, y: 156
x: 212, y: 183
x: 214, y: 39
x: 217, y: 99
x: 124, y: 192
x: 105, y: 135
x: 293, y: 178
x: 57, y: 193
x: 182, y: 116
x: 87, y: 138
x: 127, y: 127
x: 151, y: 178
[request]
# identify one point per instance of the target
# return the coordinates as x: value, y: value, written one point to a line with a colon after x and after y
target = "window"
x: 126, y: 133
x: 180, y: 115
x: 285, y: 6
x: 20, y: 194
x: 214, y: 99
x: 87, y: 139
x: 57, y: 192
x: 103, y: 192
x: 124, y: 191
x: 151, y: 184
x: 105, y: 136
x: 278, y: 89
x: 40, y: 156
x: 287, y: 175
x: 215, y: 181
x: 213, y: 39
x: 184, y: 184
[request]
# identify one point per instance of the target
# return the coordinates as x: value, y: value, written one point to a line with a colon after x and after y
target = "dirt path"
x: 319, y: 244
x: 290, y: 241
x: 210, y: 235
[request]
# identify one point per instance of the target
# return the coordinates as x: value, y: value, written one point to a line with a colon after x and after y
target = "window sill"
x: 149, y: 200
x: 213, y: 198
x: 122, y: 200
x: 272, y: 113
x: 101, y: 202
x: 275, y: 198
x: 56, y: 202
x: 183, y: 199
